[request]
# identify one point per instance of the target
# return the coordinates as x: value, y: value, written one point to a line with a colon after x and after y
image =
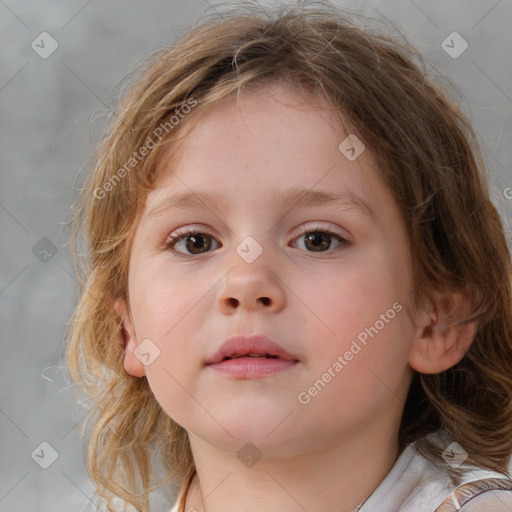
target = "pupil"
x: 317, y: 237
x: 196, y: 242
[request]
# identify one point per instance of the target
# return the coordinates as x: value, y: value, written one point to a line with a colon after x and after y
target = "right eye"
x: 193, y: 241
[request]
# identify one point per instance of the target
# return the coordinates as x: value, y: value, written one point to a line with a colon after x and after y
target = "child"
x: 233, y: 356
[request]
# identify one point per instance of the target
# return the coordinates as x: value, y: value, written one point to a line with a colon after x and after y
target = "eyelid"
x: 184, y: 231
x: 177, y: 235
x: 305, y: 228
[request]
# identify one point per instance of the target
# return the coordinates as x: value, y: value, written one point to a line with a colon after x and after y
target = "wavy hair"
x: 429, y: 157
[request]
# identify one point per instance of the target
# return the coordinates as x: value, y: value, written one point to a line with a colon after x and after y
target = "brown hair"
x: 429, y: 157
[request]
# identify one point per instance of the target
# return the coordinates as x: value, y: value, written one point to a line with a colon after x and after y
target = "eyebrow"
x: 294, y: 197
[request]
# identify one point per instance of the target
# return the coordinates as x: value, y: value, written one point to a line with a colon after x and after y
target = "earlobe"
x: 131, y: 363
x: 440, y: 342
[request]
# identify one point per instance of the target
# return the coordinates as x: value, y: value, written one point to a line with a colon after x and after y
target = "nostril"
x: 233, y: 302
x: 265, y: 301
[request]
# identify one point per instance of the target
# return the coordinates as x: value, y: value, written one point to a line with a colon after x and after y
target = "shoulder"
x: 490, y: 501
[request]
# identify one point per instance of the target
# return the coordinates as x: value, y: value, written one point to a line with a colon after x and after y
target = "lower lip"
x: 252, y: 367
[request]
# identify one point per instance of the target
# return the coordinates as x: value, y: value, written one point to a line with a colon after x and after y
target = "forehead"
x: 261, y: 144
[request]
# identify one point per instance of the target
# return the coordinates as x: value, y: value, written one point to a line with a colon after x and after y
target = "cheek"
x: 173, y: 375
x: 355, y: 295
x: 363, y: 315
x: 161, y: 299
x: 162, y: 313
x: 354, y: 383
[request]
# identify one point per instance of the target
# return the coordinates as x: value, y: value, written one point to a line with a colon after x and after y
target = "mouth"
x: 250, y: 348
x: 252, y: 364
x: 251, y: 355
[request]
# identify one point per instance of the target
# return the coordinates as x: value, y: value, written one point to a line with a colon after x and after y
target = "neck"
x: 337, y: 476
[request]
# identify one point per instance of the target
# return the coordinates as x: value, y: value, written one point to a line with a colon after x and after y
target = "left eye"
x: 320, y: 241
x: 196, y: 242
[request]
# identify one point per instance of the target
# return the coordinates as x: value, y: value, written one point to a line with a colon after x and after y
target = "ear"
x: 439, y: 343
x: 131, y: 364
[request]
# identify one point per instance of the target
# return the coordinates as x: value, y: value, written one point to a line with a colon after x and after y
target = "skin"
x: 332, y: 452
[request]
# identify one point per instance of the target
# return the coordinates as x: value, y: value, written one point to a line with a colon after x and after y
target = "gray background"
x: 46, y: 136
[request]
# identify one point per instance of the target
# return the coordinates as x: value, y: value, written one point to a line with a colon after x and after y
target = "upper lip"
x: 242, y: 345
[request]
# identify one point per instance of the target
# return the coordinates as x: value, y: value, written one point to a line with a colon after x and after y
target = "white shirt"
x: 414, y: 484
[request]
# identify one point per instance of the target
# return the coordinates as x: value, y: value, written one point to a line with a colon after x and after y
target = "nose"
x: 251, y: 287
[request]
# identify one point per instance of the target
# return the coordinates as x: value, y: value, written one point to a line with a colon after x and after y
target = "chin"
x: 265, y: 434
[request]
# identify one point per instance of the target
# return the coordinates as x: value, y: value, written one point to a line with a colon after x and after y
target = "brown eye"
x: 321, y: 241
x: 195, y: 243
x: 318, y: 241
x: 191, y: 243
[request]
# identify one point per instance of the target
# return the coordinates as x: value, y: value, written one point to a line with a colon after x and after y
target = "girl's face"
x: 326, y: 279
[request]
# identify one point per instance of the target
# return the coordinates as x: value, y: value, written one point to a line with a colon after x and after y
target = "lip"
x: 240, y: 345
x: 251, y: 367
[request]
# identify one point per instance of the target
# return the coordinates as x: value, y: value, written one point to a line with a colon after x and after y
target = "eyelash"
x: 173, y: 240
